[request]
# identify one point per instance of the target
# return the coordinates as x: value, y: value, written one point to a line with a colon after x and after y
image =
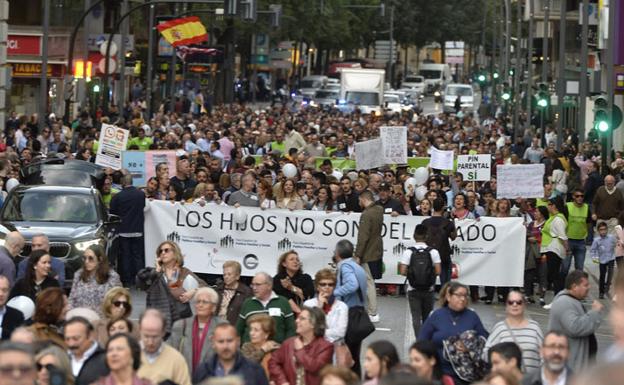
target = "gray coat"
x: 568, y: 315
x: 182, y: 339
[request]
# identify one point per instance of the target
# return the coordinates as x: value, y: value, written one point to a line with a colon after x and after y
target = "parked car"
x: 415, y: 82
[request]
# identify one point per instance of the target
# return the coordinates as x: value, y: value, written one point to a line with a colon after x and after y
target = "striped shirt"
x: 529, y: 339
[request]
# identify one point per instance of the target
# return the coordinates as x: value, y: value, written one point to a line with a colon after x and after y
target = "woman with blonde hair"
x: 53, y: 358
x: 117, y: 304
x: 287, y: 197
x: 171, y: 274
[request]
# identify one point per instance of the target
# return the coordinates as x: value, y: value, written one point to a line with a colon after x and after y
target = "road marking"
x: 383, y: 329
x: 409, y: 332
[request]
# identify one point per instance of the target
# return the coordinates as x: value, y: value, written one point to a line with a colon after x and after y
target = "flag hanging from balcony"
x: 184, y: 31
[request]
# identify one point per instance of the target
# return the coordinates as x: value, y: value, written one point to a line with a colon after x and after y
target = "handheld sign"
x: 475, y: 168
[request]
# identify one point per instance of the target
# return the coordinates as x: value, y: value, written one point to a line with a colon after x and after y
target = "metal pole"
x: 4, y: 69
x: 149, y: 76
x: 530, y: 62
x: 501, y: 53
x: 516, y: 87
x: 583, y: 74
x: 561, y: 78
x: 172, y: 74
x: 392, y: 45
x: 545, y: 41
x: 507, y: 37
x: 43, y: 92
x: 610, y: 75
x: 121, y: 90
x: 494, y: 47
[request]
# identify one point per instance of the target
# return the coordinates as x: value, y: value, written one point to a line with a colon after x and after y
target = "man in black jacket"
x: 228, y: 360
x: 129, y: 204
x: 88, y: 359
x: 10, y: 318
x: 349, y: 200
x: 390, y: 205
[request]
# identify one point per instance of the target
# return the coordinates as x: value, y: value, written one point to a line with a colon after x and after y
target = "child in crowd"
x: 603, y: 252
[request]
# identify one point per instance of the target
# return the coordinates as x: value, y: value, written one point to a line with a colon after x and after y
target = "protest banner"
x: 486, y: 252
x: 441, y: 160
x: 112, y: 143
x: 520, y: 181
x: 339, y: 164
x: 394, y: 144
x: 475, y: 168
x: 368, y: 154
x: 142, y: 164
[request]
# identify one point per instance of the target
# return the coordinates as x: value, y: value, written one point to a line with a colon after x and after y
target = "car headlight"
x: 82, y: 246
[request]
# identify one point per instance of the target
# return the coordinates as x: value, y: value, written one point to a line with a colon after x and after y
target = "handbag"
x: 343, y: 355
x: 359, y: 326
x: 465, y: 353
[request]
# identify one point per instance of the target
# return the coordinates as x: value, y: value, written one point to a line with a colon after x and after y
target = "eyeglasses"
x: 326, y: 284
x: 15, y: 371
x: 164, y: 250
x: 462, y: 296
x: 121, y: 303
x: 518, y: 302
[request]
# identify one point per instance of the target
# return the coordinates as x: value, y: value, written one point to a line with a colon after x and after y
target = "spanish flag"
x: 184, y: 31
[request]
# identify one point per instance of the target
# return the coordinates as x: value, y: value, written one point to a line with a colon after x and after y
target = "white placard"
x: 475, y: 168
x: 368, y: 154
x: 394, y: 144
x: 520, y: 181
x: 487, y: 252
x: 441, y: 160
x: 112, y: 143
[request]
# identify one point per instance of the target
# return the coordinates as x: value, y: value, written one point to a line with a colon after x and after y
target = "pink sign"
x: 153, y: 157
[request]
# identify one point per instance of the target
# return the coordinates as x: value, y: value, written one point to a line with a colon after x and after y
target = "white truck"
x: 362, y: 89
x: 437, y: 76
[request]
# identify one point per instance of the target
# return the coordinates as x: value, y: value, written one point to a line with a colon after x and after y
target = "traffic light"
x: 495, y: 75
x: 543, y: 95
x: 250, y: 10
x: 602, y: 120
x: 481, y: 78
x: 506, y: 95
x: 96, y: 88
x: 276, y: 15
x: 511, y: 72
x: 382, y: 10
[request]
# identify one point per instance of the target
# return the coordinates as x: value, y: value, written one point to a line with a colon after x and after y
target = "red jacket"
x: 313, y: 357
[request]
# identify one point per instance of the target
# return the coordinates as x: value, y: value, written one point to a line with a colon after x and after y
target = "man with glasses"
x: 607, y: 204
x: 568, y: 314
x: 266, y: 301
x: 88, y: 359
x: 159, y: 361
x: 13, y: 245
x: 17, y: 364
x: 554, y: 371
x: 579, y: 225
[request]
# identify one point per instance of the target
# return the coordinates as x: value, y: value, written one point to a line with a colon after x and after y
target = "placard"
x: 520, y: 181
x: 441, y: 160
x: 142, y: 164
x: 475, y: 168
x: 368, y: 154
x: 112, y: 143
x: 394, y: 144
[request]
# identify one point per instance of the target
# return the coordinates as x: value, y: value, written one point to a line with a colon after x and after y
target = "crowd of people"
x: 295, y: 327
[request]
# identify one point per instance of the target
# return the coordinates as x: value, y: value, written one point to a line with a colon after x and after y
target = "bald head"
x: 609, y: 181
x: 14, y: 243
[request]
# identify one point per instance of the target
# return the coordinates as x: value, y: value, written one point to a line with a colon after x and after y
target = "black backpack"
x: 420, y: 272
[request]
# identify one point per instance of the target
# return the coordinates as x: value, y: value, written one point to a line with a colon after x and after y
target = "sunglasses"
x: 579, y: 195
x: 164, y: 250
x: 519, y: 303
x: 325, y: 284
x: 47, y: 367
x: 121, y: 303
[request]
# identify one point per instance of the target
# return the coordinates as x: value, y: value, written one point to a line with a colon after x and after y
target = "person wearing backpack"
x: 439, y: 230
x: 420, y: 264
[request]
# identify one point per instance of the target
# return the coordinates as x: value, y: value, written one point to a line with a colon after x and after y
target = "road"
x: 395, y: 325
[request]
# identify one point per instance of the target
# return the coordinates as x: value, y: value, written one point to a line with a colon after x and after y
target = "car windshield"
x: 430, y: 74
x: 391, y: 98
x: 459, y: 91
x: 363, y: 98
x: 326, y: 94
x: 414, y: 79
x: 311, y: 84
x: 50, y: 206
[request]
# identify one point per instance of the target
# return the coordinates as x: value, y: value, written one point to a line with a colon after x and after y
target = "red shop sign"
x: 33, y: 70
x: 24, y: 45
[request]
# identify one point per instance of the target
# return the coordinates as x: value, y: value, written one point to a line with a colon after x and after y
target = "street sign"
x: 383, y: 48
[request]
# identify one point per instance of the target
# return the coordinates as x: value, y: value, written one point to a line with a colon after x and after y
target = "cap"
x: 385, y: 186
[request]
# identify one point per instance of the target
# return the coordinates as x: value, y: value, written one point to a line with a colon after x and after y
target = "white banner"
x: 113, y: 141
x: 486, y: 252
x: 394, y: 144
x: 520, y: 181
x: 367, y: 154
x: 475, y: 168
x: 441, y: 160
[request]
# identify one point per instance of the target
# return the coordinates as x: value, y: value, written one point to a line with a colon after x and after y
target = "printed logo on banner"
x: 284, y: 244
x: 226, y: 241
x: 455, y: 249
x: 173, y: 237
x: 398, y: 249
x: 250, y: 262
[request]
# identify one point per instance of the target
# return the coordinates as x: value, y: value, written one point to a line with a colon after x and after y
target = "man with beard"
x: 554, y: 370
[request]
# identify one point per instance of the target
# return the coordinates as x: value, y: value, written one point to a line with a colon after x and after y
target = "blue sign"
x: 134, y: 161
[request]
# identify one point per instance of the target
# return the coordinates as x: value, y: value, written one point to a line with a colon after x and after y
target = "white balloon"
x: 409, y: 182
x: 421, y: 175
x: 23, y: 304
x: 240, y: 216
x: 11, y: 184
x: 421, y: 191
x: 290, y: 170
x: 190, y: 283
